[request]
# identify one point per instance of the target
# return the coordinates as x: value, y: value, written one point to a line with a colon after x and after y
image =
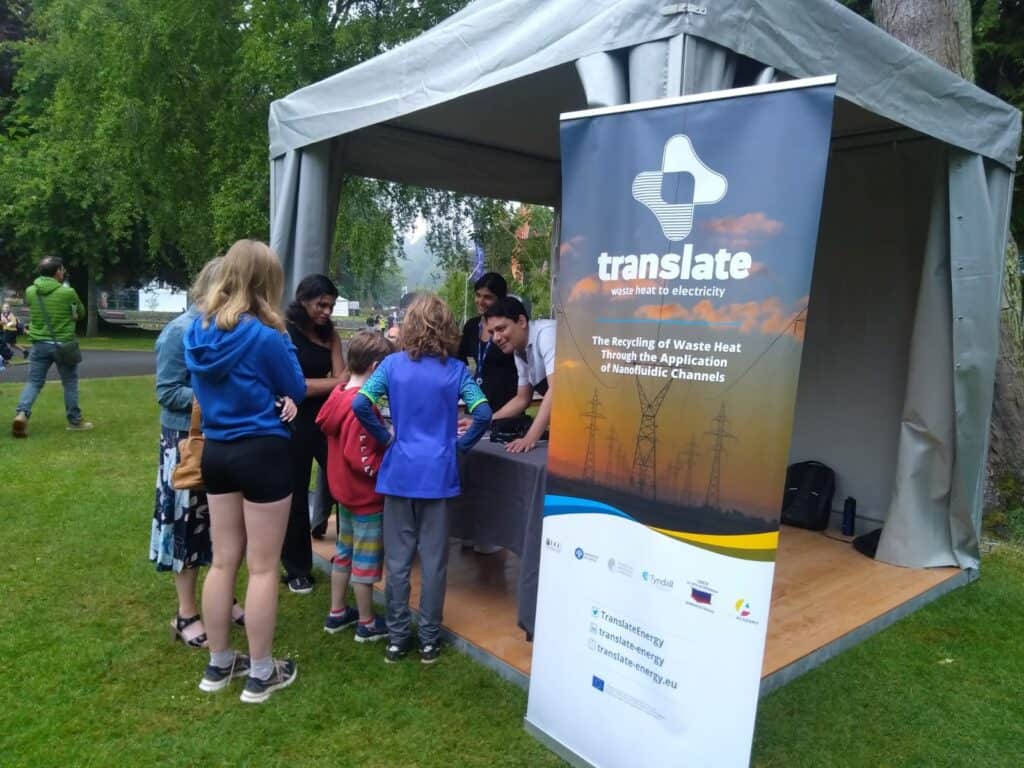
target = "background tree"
x: 136, y: 146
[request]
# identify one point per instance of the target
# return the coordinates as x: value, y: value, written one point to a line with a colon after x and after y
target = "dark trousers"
x: 411, y: 527
x: 308, y: 443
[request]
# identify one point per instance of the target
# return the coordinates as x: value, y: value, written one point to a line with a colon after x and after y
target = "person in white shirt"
x: 533, y: 344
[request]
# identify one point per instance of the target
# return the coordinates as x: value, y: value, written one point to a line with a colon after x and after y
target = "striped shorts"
x: 359, y: 550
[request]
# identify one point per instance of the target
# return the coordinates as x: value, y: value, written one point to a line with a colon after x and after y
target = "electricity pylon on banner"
x: 712, y: 498
x: 593, y: 414
x: 612, y: 443
x: 645, y: 455
x: 673, y: 470
x: 690, y: 454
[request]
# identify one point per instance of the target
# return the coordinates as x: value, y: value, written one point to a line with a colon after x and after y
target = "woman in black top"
x: 319, y: 351
x: 495, y: 371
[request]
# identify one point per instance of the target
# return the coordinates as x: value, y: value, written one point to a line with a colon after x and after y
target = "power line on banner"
x: 797, y: 319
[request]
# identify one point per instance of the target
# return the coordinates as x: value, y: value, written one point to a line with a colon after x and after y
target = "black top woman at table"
x: 319, y: 351
x: 495, y: 371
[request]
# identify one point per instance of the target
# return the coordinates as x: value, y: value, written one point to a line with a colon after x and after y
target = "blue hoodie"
x: 238, y: 374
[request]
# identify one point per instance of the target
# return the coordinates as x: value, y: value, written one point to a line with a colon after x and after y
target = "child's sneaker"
x: 257, y: 691
x: 430, y: 653
x: 346, y: 618
x: 217, y: 678
x: 395, y: 652
x: 372, y: 632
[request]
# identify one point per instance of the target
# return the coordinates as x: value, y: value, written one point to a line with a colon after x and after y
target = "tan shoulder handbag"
x: 188, y: 475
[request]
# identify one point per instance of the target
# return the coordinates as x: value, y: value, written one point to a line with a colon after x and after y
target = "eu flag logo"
x: 597, y: 682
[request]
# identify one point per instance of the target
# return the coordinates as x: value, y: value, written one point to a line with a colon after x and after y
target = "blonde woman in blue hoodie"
x: 180, y: 532
x: 247, y: 379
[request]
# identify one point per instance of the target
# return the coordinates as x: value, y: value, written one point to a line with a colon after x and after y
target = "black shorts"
x: 257, y: 467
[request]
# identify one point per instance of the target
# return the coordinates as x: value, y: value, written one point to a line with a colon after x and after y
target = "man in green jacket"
x: 63, y: 308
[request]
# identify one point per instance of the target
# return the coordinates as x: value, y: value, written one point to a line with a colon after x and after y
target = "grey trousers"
x: 411, y: 526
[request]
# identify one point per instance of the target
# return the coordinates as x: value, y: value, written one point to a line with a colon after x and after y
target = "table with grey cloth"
x: 502, y: 503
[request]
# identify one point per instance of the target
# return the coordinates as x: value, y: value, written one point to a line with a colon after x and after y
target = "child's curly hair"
x: 429, y: 329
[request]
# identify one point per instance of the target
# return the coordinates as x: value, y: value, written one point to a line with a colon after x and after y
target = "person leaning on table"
x: 533, y: 344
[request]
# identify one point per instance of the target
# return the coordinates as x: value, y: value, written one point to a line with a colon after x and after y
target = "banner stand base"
x: 555, y: 746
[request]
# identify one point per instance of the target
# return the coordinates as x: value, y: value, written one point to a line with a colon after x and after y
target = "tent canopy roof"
x: 473, y: 103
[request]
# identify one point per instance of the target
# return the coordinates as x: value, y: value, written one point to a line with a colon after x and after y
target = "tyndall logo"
x: 661, y: 582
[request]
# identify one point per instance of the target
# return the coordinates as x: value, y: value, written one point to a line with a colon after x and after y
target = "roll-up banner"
x: 688, y: 236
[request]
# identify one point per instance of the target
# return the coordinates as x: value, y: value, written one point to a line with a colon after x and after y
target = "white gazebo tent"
x: 897, y: 379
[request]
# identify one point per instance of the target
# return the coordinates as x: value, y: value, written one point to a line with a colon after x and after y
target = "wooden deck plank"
x: 823, y: 590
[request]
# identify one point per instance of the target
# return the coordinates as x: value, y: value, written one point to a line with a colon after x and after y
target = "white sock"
x: 261, y: 669
x: 222, y: 659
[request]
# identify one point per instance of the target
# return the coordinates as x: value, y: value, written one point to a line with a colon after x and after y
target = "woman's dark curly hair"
x: 311, y: 287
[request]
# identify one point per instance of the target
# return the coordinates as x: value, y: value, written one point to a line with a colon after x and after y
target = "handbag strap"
x: 193, y: 428
x: 46, y: 317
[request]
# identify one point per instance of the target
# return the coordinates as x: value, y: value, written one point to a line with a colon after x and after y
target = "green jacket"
x: 62, y: 304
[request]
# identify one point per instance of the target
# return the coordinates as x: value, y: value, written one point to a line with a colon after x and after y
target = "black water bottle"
x: 849, y: 516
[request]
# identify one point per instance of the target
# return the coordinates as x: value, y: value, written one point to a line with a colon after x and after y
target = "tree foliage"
x: 999, y: 69
x: 517, y: 244
x: 137, y: 142
x: 133, y: 133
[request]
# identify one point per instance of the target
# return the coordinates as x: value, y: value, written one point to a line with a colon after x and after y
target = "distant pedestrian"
x: 12, y: 326
x: 54, y: 309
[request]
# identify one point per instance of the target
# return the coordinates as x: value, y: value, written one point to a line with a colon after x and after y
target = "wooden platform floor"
x: 824, y: 589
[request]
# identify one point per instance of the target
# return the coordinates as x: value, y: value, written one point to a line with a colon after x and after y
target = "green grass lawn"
x: 90, y: 678
x: 122, y: 339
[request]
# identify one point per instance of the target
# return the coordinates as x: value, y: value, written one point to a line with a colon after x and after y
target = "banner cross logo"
x: 676, y: 219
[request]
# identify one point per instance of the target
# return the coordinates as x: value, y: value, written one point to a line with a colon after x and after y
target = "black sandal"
x: 178, y: 627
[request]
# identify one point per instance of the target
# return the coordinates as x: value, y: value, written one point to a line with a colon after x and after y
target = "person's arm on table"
x: 517, y: 405
x: 540, y: 422
x: 478, y: 408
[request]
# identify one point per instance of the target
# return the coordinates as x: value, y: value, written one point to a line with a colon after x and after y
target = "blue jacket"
x: 423, y: 395
x: 173, y: 383
x: 238, y: 374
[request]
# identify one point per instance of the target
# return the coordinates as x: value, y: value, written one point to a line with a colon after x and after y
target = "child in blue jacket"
x: 419, y: 474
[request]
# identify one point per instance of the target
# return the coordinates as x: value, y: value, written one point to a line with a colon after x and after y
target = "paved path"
x: 95, y: 364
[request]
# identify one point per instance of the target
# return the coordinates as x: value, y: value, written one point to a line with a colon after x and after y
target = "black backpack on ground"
x: 807, y: 503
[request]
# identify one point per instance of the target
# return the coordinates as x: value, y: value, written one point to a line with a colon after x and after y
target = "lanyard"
x: 481, y: 354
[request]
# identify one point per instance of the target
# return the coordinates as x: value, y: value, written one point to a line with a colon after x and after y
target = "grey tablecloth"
x: 502, y: 503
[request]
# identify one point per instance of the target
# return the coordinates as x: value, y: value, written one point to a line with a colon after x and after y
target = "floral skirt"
x: 180, y: 536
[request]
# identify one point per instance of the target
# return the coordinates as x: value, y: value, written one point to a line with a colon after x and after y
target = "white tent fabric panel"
x: 305, y: 187
x: 472, y: 106
x: 950, y: 388
x: 493, y: 42
x: 867, y: 273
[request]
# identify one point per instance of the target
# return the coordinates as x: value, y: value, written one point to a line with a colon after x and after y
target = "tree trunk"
x: 92, y: 325
x: 941, y: 29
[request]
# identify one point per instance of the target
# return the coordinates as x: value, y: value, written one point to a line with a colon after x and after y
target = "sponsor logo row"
x: 699, y: 593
